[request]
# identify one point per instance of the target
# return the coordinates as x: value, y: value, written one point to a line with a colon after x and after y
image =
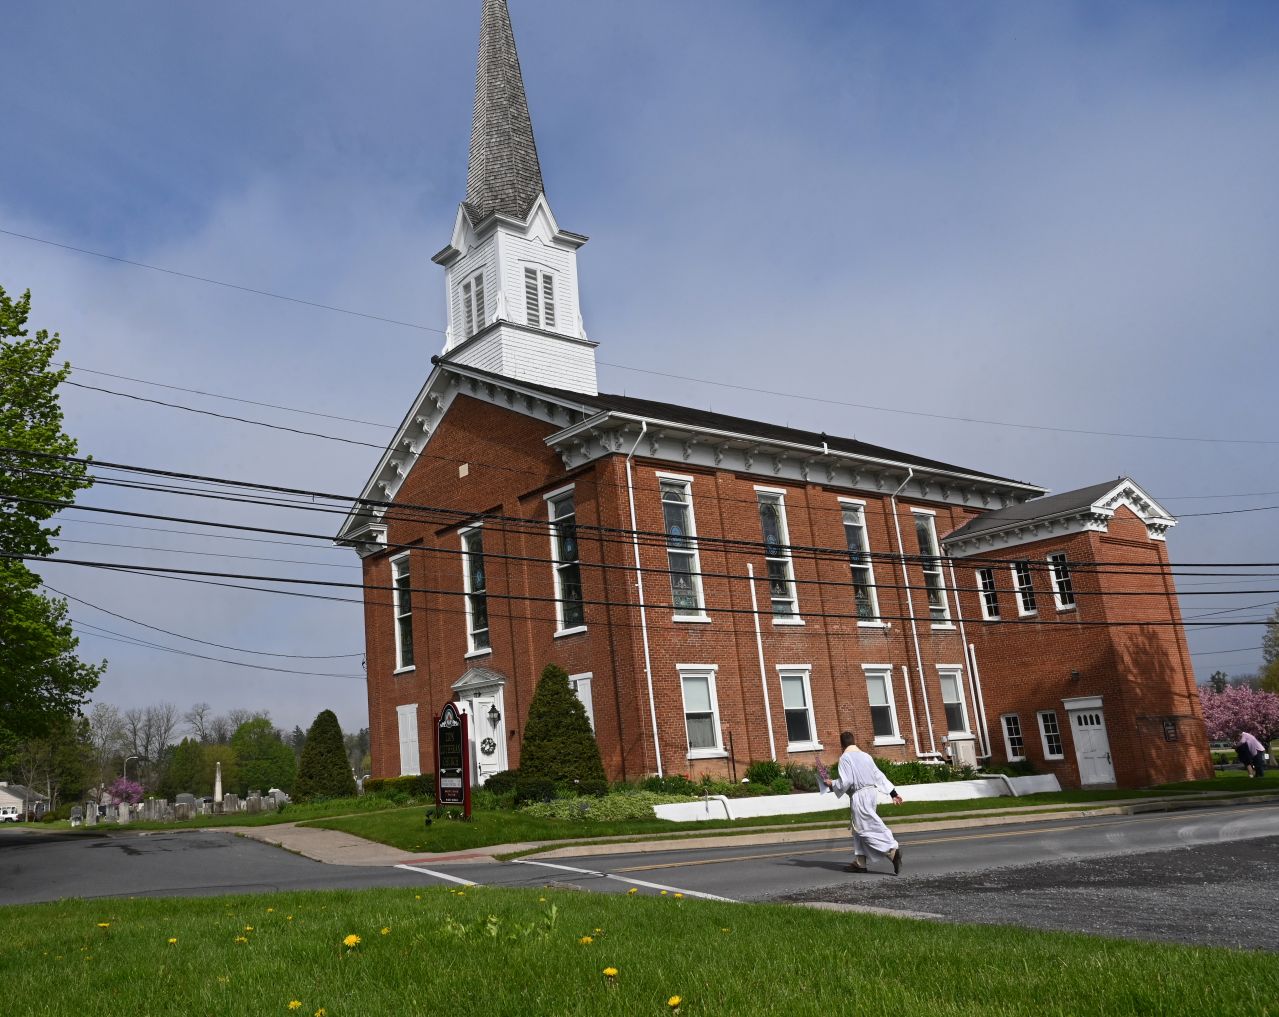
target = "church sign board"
x: 452, y: 768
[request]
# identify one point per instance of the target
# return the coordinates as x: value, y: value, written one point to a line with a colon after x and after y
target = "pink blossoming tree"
x: 1240, y: 708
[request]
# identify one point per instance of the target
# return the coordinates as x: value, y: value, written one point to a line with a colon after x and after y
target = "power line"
x: 193, y: 639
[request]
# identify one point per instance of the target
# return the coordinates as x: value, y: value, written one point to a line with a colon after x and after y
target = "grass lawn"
x: 405, y: 829
x: 514, y: 952
x: 1232, y: 781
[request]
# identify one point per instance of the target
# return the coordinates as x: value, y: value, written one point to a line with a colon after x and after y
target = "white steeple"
x: 510, y: 271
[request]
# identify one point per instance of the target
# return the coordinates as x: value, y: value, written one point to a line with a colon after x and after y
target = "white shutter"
x: 531, y: 297
x: 410, y: 760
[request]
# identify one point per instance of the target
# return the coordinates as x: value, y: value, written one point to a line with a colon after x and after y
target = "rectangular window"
x: 797, y: 702
x: 781, y: 574
x: 1063, y: 589
x: 1051, y: 734
x: 1013, y: 742
x: 410, y: 759
x: 681, y: 548
x: 581, y: 686
x: 859, y: 561
x: 570, y: 613
x: 1025, y: 588
x: 476, y: 587
x: 987, y: 595
x: 926, y: 531
x: 473, y: 303
x: 403, y: 612
x: 952, y: 697
x: 539, y: 297
x: 701, y: 711
x: 879, y: 692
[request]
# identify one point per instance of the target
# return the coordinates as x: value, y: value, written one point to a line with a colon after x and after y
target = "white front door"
x: 1092, y: 747
x: 488, y: 735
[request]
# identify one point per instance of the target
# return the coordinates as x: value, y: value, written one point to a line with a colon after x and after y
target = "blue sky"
x: 1053, y: 214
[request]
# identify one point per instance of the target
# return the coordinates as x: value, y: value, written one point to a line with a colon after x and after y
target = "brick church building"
x: 723, y: 590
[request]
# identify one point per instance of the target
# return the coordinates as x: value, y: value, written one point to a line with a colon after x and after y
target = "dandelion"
x: 321, y: 1012
x: 663, y: 893
x: 610, y: 972
x: 679, y: 896
x: 461, y: 893
x: 417, y: 896
x: 172, y: 940
x: 269, y: 910
x: 541, y: 900
x: 295, y: 1004
x: 386, y: 931
x: 104, y: 925
x: 248, y: 928
x: 725, y: 930
x: 633, y: 889
x: 674, y: 1002
x: 288, y: 918
x: 598, y: 931
x: 351, y: 941
x: 586, y: 940
x: 241, y: 939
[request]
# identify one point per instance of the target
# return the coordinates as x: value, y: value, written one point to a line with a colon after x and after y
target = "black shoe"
x: 897, y: 861
x: 854, y: 867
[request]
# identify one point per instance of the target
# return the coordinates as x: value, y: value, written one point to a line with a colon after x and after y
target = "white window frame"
x: 804, y: 673
x: 1013, y: 757
x: 1024, y: 591
x: 402, y: 611
x: 709, y: 672
x: 956, y: 672
x: 884, y: 671
x: 575, y: 682
x: 472, y: 649
x: 777, y: 496
x: 1063, y: 588
x: 931, y: 566
x: 410, y: 748
x: 536, y: 303
x: 1043, y: 734
x: 987, y: 594
x: 558, y: 565
x: 691, y: 548
x: 866, y: 566
x: 474, y: 310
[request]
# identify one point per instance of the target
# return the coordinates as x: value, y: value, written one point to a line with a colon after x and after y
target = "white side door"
x: 1092, y: 747
x: 488, y: 741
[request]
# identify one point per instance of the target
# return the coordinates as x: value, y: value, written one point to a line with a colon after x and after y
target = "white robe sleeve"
x: 845, y: 781
x: 883, y: 783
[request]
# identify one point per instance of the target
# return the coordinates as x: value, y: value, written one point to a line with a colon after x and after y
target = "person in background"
x: 862, y: 780
x: 1252, y: 754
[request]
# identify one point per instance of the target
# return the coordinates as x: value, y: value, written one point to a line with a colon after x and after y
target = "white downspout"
x: 914, y: 624
x: 639, y: 586
x: 910, y: 706
x: 981, y: 699
x: 982, y: 734
x: 763, y: 671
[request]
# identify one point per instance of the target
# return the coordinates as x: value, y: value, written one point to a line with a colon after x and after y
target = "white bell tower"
x: 510, y: 271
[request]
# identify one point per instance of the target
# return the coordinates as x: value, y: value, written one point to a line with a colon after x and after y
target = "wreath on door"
x: 488, y: 746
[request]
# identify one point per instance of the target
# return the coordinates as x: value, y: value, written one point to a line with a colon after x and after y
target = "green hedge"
x: 415, y: 786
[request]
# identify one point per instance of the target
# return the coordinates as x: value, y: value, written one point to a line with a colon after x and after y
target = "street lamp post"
x: 126, y: 765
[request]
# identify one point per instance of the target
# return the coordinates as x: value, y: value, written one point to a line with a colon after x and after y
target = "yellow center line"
x: 842, y: 847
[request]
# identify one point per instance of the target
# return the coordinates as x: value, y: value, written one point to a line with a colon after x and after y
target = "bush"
x: 672, y: 784
x: 781, y: 786
x: 503, y: 782
x: 801, y: 776
x: 558, y: 744
x: 763, y: 771
x: 620, y: 805
x: 533, y: 789
x: 325, y: 771
x: 411, y: 786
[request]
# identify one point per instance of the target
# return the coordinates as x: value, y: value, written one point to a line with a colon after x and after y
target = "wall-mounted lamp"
x: 1074, y: 676
x: 494, y: 716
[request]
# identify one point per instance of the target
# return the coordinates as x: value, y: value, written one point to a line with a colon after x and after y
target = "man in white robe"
x: 862, y: 780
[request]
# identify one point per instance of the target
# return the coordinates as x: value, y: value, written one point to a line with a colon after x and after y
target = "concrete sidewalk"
x: 337, y: 848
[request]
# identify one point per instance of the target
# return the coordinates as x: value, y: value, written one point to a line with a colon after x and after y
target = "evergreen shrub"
x: 671, y: 784
x: 763, y: 771
x: 503, y: 782
x: 558, y: 744
x: 325, y: 771
x: 412, y: 785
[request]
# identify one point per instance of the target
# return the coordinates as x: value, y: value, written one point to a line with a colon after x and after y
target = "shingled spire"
x: 504, y: 175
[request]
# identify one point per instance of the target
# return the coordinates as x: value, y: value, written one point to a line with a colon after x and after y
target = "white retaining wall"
x: 718, y: 807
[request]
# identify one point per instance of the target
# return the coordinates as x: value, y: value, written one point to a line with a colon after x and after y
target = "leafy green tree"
x: 182, y: 774
x: 558, y: 742
x: 264, y: 760
x: 1218, y: 681
x: 1268, y: 679
x: 325, y: 771
x: 41, y: 679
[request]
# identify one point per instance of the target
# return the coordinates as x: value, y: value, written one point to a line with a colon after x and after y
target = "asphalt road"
x: 1202, y: 876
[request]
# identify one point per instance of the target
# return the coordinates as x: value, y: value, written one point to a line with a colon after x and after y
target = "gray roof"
x: 18, y: 791
x: 1066, y: 503
x: 504, y: 175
